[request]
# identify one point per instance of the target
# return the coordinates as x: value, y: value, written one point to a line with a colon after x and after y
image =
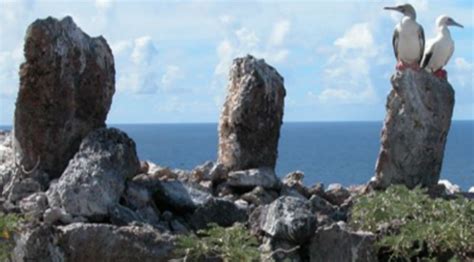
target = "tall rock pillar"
x: 66, y: 88
x: 419, y: 109
x: 249, y: 126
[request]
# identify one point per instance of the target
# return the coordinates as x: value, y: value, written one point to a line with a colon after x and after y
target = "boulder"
x: 419, y: 110
x: 100, y: 242
x: 37, y: 244
x: 249, y: 125
x: 321, y: 205
x: 336, y: 194
x: 222, y: 212
x: 34, y: 205
x: 264, y: 177
x: 179, y: 196
x: 95, y: 178
x: 294, y: 181
x: 337, y: 244
x: 259, y: 196
x: 289, y: 218
x: 66, y: 86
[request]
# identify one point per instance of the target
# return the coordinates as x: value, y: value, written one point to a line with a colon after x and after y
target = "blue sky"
x: 172, y: 57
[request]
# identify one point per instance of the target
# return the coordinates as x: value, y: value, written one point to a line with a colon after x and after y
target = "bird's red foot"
x: 402, y: 66
x: 441, y: 74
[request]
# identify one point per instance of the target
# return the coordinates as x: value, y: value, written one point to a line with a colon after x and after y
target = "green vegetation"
x: 8, y: 225
x: 431, y: 229
x: 229, y: 244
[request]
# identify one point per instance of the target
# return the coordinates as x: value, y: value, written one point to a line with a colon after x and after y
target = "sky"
x: 172, y: 57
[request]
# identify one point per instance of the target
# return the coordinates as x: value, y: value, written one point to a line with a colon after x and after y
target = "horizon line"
x: 303, y: 121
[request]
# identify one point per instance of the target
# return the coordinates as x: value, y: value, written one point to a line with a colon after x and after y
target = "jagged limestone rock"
x: 95, y: 178
x: 249, y: 126
x: 66, y: 88
x: 336, y: 243
x: 419, y: 109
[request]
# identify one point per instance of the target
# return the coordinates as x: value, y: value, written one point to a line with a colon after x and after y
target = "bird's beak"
x: 456, y: 24
x: 394, y: 8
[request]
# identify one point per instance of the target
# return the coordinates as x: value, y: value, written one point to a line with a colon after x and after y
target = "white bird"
x: 439, y: 49
x: 408, y: 38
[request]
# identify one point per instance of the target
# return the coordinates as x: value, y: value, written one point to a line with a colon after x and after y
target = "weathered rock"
x: 19, y: 188
x: 419, y: 110
x: 202, y: 172
x: 178, y: 228
x: 316, y: 189
x: 95, y: 178
x: 289, y: 218
x: 321, y: 205
x: 337, y: 244
x: 222, y: 212
x: 249, y: 126
x: 259, y: 196
x: 291, y: 191
x: 66, y: 89
x: 162, y: 173
x: 336, y: 194
x: 121, y: 216
x: 53, y: 215
x: 294, y: 181
x: 264, y: 177
x: 34, y: 205
x: 179, y: 196
x: 277, y: 250
x: 37, y: 244
x: 100, y: 242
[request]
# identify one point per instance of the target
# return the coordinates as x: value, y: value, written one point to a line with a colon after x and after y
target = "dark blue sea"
x: 327, y: 152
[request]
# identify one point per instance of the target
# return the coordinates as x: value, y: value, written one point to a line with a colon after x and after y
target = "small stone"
x: 250, y: 178
x: 53, y: 215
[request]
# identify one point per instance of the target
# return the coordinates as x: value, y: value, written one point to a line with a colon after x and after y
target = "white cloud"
x: 137, y: 65
x: 280, y: 30
x: 144, y: 51
x: 242, y: 41
x: 462, y: 64
x: 103, y: 5
x: 9, y: 66
x: 172, y: 74
x: 346, y: 76
x: 358, y: 37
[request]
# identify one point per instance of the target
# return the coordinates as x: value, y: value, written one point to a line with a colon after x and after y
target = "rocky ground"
x: 84, y: 195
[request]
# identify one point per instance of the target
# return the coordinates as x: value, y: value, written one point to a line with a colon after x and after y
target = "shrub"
x: 429, y: 228
x: 229, y: 244
x: 8, y: 225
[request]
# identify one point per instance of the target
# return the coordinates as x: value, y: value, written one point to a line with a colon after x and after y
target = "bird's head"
x: 406, y: 9
x: 445, y: 20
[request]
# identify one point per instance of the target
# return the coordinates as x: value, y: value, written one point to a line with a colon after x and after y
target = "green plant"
x: 429, y: 228
x: 229, y: 244
x: 8, y: 225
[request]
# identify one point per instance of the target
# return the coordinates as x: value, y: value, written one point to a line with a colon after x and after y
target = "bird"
x: 439, y: 49
x: 408, y: 38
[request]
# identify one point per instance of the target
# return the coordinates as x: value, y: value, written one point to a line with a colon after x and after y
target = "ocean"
x: 327, y: 152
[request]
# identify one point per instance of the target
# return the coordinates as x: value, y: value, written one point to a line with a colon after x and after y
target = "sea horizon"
x: 326, y: 151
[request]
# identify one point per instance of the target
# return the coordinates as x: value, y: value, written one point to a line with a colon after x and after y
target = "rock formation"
x: 249, y: 126
x: 66, y: 89
x: 419, y: 110
x: 95, y: 178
